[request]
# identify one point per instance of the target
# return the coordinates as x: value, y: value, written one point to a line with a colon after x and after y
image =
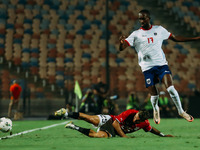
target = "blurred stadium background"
x: 49, y: 44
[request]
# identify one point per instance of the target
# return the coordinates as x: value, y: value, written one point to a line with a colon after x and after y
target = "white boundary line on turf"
x: 32, y: 130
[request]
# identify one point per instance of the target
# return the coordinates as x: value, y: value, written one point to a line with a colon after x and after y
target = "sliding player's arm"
x: 157, y: 132
x: 118, y: 129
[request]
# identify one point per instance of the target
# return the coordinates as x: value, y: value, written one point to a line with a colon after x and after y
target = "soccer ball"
x: 5, y: 124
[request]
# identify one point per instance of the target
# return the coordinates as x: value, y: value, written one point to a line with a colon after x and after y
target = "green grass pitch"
x: 187, y: 137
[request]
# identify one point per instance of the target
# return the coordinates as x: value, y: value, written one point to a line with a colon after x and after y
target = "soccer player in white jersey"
x: 148, y: 42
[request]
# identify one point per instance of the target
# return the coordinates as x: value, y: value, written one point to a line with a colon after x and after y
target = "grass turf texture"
x: 187, y: 137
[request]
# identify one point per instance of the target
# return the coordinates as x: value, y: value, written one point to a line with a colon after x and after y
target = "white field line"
x: 32, y: 130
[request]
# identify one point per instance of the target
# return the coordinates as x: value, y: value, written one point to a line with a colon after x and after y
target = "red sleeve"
x: 170, y: 35
x: 127, y: 42
x: 147, y: 127
x: 121, y: 117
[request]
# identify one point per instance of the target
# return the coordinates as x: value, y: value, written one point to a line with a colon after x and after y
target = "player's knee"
x: 101, y: 134
x: 172, y: 91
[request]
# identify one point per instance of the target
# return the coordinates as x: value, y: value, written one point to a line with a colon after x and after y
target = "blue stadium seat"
x: 97, y: 22
x: 51, y: 45
x: 91, y: 2
x: 2, y: 21
x: 25, y: 65
x: 112, y: 49
x: 86, y: 27
x: 51, y: 59
x: 37, y: 7
x: 56, y: 7
x: 71, y: 7
x: 9, y: 26
x: 2, y: 36
x: 62, y: 21
x: 28, y: 21
x: 66, y: 60
x: 11, y: 6
x: 55, y: 31
x: 86, y: 41
x: 69, y: 26
x: 38, y: 16
x: 29, y: 6
x: 86, y: 55
x: 2, y: 45
x: 81, y: 32
x: 28, y: 31
x: 188, y: 4
x: 34, y: 62
x: 81, y: 17
x: 67, y: 46
x: 5, y: 1
x: 119, y: 60
x: 17, y: 41
x: 26, y: 50
x: 48, y: 2
x: 69, y: 12
x: 60, y: 73
x: 176, y: 77
x: 68, y: 77
x: 191, y: 86
x: 60, y: 83
x: 22, y: 2
x: 35, y: 50
x: 3, y: 13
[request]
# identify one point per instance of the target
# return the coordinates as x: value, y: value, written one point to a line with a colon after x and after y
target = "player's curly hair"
x: 144, y: 115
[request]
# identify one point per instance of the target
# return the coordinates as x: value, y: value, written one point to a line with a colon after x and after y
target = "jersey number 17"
x: 150, y: 40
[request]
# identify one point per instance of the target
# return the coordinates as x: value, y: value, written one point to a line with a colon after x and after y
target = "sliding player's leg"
x: 88, y: 132
x: 93, y: 119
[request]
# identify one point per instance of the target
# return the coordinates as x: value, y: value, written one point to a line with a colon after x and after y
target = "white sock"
x: 66, y: 114
x: 154, y: 102
x: 176, y: 99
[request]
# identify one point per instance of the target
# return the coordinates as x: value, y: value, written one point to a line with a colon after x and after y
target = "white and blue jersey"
x: 148, y: 45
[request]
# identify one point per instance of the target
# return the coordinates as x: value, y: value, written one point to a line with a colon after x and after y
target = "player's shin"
x: 156, y: 112
x: 154, y: 102
x: 176, y: 99
x: 74, y: 115
x: 70, y: 125
x: 82, y: 130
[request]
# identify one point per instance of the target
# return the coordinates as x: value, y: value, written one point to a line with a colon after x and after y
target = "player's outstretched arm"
x: 183, y: 39
x: 123, y: 44
x: 157, y: 132
x: 118, y: 129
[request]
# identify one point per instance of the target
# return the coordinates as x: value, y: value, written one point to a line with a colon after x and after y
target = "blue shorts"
x: 155, y: 74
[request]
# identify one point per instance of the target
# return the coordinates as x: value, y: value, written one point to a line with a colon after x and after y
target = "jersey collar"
x: 146, y: 29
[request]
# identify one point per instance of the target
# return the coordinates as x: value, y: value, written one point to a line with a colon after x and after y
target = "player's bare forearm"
x: 118, y: 129
x: 157, y: 132
x: 183, y: 39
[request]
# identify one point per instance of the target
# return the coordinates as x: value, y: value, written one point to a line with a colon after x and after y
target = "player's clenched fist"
x: 122, y: 39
